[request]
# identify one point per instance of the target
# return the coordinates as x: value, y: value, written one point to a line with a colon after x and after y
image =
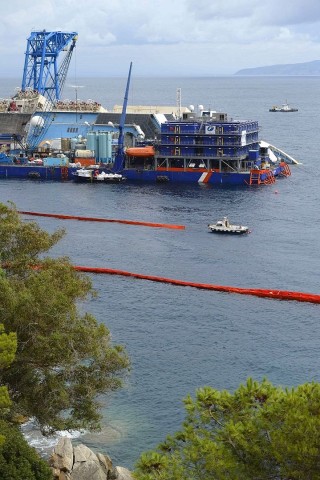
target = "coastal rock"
x: 89, y: 470
x: 83, y: 454
x: 62, y: 457
x: 86, y: 465
x: 105, y: 462
x: 63, y: 476
x: 123, y: 473
x: 81, y: 463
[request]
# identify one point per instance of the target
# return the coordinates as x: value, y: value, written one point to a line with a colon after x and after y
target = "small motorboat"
x: 113, y: 177
x: 86, y: 175
x: 284, y: 108
x: 224, y: 226
x: 94, y: 175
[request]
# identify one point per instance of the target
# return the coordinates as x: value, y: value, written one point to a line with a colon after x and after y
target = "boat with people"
x: 224, y: 226
x: 285, y: 107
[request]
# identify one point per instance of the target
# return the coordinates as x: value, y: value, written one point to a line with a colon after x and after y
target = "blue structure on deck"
x: 41, y: 71
x: 119, y: 157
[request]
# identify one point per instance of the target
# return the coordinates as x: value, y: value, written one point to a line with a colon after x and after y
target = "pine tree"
x: 258, y: 432
x: 64, y: 359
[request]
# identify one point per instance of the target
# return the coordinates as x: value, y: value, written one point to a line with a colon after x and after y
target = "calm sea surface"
x: 181, y: 338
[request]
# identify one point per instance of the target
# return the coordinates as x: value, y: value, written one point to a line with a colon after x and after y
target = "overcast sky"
x: 166, y: 37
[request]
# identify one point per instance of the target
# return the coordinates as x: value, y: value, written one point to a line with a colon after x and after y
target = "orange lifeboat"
x: 147, y: 151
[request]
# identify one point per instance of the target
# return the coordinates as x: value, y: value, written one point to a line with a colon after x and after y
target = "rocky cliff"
x: 81, y: 463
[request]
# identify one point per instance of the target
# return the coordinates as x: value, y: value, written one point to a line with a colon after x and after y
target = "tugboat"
x: 224, y: 226
x: 285, y: 107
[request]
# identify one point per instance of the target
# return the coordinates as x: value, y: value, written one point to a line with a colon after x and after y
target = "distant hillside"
x: 308, y: 68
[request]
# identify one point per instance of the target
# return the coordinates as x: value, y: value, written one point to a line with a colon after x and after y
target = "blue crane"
x: 119, y: 157
x: 43, y: 74
x: 41, y: 70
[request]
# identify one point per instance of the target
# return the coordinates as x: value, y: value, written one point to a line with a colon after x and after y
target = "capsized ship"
x: 200, y: 147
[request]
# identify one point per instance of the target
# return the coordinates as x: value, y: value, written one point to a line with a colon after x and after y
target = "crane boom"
x: 41, y: 71
x: 43, y: 74
x: 119, y: 158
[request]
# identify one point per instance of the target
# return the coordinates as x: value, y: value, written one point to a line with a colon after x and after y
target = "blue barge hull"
x: 36, y: 172
x: 63, y: 173
x: 201, y: 177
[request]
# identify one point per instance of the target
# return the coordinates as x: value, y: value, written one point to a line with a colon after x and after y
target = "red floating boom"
x: 258, y: 292
x: 95, y: 219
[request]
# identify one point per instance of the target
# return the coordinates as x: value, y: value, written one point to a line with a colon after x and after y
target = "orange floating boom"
x: 258, y: 292
x: 109, y: 220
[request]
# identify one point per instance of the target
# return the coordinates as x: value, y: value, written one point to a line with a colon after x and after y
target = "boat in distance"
x: 224, y: 226
x: 285, y: 107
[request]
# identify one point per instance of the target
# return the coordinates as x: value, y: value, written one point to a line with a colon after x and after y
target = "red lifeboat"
x: 147, y: 151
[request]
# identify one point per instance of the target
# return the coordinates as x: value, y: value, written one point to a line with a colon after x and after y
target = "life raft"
x: 147, y: 151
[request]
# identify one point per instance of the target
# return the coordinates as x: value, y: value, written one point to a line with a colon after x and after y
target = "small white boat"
x: 112, y: 177
x: 91, y: 175
x: 285, y: 107
x: 224, y: 226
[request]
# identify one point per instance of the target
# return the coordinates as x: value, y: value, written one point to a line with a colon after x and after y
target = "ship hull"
x: 34, y: 172
x: 14, y: 123
x: 201, y: 177
x: 149, y: 176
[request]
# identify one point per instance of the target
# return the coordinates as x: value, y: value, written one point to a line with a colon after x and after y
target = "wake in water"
x: 44, y: 445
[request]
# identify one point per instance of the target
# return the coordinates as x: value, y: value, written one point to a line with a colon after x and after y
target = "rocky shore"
x: 81, y: 463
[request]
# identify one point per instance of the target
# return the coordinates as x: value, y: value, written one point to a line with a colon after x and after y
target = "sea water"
x: 180, y: 338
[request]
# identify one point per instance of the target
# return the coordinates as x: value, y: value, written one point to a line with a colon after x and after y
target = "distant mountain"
x: 308, y: 68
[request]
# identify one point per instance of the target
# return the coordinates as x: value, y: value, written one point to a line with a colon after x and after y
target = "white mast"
x: 179, y: 101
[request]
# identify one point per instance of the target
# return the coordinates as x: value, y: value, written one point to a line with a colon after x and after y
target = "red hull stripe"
x: 205, y: 177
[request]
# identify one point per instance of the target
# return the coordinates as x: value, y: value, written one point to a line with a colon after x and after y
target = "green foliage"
x: 64, y: 359
x: 22, y: 243
x: 259, y: 432
x: 19, y: 461
x: 8, y: 346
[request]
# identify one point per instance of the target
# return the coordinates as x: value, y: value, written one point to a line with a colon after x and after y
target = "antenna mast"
x: 179, y: 101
